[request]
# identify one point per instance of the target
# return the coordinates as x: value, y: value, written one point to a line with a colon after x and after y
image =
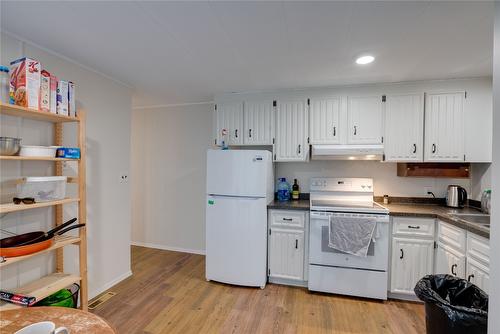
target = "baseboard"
x: 110, y: 284
x: 403, y: 296
x: 169, y: 248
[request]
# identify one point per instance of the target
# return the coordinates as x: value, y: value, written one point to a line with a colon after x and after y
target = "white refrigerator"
x: 239, y: 187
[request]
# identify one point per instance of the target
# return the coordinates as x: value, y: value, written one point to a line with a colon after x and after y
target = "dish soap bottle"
x: 283, y: 190
x: 295, y: 190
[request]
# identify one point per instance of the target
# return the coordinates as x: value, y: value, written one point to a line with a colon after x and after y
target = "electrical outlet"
x: 123, y: 178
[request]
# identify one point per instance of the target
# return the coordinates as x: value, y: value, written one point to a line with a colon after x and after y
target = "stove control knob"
x: 363, y: 186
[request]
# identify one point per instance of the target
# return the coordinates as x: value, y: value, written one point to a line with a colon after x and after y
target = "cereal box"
x: 62, y: 98
x: 71, y: 99
x: 25, y: 82
x: 45, y: 91
x: 53, y: 94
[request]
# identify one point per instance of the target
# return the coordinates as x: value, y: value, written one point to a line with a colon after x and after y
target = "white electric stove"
x: 336, y: 272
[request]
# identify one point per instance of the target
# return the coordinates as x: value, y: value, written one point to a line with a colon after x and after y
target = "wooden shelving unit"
x: 16, y: 157
x: 54, y: 282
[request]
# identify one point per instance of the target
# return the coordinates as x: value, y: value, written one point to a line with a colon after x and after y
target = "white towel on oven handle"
x: 351, y: 235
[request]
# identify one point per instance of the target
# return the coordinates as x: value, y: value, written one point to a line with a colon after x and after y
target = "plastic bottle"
x: 295, y: 190
x: 486, y: 201
x: 4, y: 84
x: 283, y: 190
x: 224, y: 144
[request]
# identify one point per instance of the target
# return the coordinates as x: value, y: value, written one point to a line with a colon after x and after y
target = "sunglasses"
x: 26, y: 200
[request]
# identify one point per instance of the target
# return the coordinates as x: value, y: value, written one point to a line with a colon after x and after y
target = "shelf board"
x: 60, y: 241
x: 16, y: 157
x: 11, y: 207
x: 42, y: 288
x: 13, y: 110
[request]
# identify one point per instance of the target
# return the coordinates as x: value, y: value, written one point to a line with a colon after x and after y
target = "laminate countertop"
x: 301, y: 204
x: 408, y: 210
x: 441, y: 212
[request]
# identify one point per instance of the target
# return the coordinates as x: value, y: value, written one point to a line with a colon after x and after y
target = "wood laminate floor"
x: 168, y: 293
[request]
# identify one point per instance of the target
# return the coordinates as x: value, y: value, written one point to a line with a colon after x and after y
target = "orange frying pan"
x: 32, y: 242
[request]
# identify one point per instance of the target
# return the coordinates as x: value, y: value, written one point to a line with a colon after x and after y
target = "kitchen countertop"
x: 441, y: 212
x: 301, y: 204
x: 407, y: 210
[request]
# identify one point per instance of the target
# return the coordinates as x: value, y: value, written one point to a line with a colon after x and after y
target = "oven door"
x: 321, y: 254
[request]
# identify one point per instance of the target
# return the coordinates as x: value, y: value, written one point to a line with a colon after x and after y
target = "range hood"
x: 347, y: 152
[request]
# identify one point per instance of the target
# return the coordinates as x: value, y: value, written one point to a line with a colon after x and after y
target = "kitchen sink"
x: 477, y: 218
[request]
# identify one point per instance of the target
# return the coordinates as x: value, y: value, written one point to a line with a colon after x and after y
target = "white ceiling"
x: 179, y: 52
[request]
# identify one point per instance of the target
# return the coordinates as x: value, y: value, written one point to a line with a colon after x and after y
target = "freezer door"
x: 236, y: 240
x: 238, y: 172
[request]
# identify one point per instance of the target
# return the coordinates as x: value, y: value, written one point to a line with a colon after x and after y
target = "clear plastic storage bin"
x: 43, y: 189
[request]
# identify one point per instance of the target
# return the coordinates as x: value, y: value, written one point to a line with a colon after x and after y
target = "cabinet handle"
x: 471, y: 276
x: 402, y: 254
x: 250, y: 133
x: 296, y: 244
x: 453, y: 269
x: 433, y: 148
x: 414, y: 148
x: 334, y: 131
x: 287, y: 219
x: 355, y: 130
x: 414, y: 227
x: 298, y: 149
x: 236, y: 133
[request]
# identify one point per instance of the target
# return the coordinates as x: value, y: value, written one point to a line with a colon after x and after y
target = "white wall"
x: 386, y: 181
x: 108, y: 107
x: 168, y: 167
x: 494, y: 307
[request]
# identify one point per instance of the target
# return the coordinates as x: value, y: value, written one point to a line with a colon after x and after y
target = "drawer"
x: 414, y: 227
x: 452, y: 236
x: 478, y: 248
x: 287, y: 218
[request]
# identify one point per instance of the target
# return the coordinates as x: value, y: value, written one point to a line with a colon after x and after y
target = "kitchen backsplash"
x: 384, y: 175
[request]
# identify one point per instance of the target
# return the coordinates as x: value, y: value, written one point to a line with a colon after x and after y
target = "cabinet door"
x: 364, y: 115
x: 412, y: 259
x: 444, y: 127
x: 478, y: 274
x: 291, y: 130
x: 404, y: 127
x: 258, y: 122
x: 230, y: 117
x: 286, y: 254
x: 324, y: 117
x: 449, y: 262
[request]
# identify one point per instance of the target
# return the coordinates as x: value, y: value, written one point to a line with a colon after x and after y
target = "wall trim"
x: 169, y: 248
x: 110, y: 284
x: 157, y: 106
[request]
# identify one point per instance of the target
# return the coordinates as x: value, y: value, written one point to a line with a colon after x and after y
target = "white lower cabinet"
x: 286, y: 254
x: 287, y: 246
x: 478, y: 274
x: 449, y: 261
x: 412, y: 259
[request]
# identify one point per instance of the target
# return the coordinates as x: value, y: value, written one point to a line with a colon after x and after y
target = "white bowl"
x: 38, y: 151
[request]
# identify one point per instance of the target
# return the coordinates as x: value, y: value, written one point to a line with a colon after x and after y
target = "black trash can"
x: 453, y: 305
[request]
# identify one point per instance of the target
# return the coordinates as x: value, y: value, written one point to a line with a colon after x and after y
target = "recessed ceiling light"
x: 365, y: 60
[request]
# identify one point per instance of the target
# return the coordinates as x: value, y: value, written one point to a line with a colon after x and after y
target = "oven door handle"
x: 314, y: 215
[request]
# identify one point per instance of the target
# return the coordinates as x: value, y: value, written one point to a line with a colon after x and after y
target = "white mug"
x: 44, y: 327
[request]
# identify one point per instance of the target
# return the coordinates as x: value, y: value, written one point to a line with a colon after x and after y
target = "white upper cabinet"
x: 364, y: 116
x: 229, y: 116
x: 404, y: 127
x: 324, y: 120
x: 258, y: 122
x: 291, y: 130
x: 444, y: 126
